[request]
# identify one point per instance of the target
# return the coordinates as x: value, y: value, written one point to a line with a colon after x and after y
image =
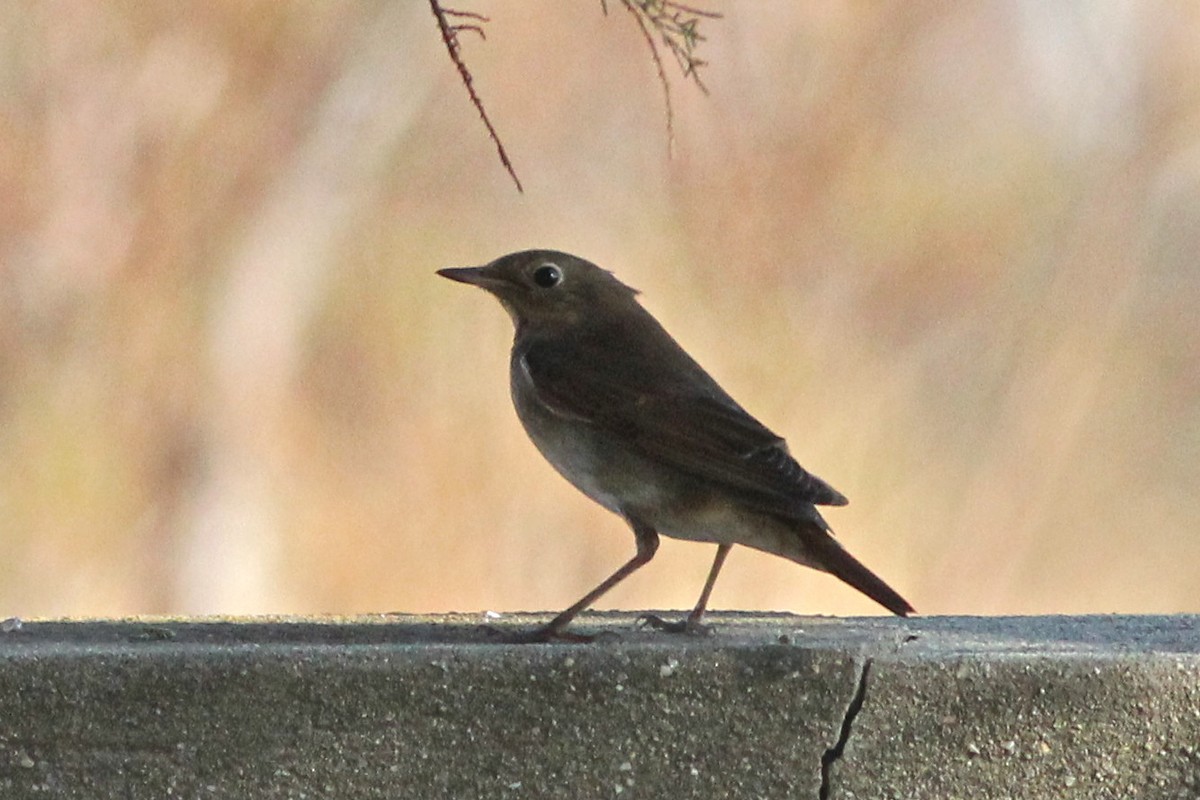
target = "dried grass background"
x: 950, y: 251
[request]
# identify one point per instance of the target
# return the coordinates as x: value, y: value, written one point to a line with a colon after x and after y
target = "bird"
x: 622, y: 412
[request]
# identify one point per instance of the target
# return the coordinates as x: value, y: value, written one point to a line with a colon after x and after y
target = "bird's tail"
x: 833, y: 558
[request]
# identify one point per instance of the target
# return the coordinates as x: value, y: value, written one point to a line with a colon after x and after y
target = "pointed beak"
x: 483, y: 277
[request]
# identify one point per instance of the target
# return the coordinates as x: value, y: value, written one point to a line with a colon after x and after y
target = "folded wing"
x: 674, y: 413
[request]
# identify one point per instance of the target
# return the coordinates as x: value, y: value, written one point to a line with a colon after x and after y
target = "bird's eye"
x: 547, y: 275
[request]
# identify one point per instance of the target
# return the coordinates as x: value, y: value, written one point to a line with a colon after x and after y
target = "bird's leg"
x: 647, y: 544
x: 693, y: 619
x: 691, y: 623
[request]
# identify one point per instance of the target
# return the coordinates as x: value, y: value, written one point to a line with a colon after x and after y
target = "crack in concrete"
x: 834, y: 753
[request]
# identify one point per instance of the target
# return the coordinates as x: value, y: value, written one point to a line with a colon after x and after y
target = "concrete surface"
x: 769, y: 706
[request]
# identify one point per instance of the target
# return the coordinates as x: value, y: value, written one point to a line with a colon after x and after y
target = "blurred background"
x: 949, y: 250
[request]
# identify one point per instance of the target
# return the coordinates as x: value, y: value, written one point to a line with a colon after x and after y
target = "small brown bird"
x: 624, y: 414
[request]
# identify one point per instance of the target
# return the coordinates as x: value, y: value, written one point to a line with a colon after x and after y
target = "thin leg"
x: 647, y: 545
x: 692, y: 623
x: 702, y: 604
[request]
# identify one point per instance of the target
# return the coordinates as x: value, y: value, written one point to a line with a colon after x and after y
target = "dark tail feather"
x: 836, y: 561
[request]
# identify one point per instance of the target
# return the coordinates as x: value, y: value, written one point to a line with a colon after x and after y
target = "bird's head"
x: 548, y: 289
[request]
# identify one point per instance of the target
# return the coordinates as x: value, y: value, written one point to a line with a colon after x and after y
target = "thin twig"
x: 662, y: 74
x: 450, y: 37
x: 454, y: 12
x: 677, y: 24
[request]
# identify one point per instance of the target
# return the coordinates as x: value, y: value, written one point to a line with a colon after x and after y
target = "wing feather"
x: 671, y: 411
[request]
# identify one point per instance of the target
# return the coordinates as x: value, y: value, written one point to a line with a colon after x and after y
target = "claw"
x: 542, y: 635
x: 688, y: 625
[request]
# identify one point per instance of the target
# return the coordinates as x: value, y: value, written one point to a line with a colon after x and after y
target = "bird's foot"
x: 690, y: 625
x: 542, y: 635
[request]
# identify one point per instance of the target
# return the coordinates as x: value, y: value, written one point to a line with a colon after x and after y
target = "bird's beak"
x: 483, y: 277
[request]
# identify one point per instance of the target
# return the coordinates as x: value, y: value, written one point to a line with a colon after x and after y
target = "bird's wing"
x: 679, y: 417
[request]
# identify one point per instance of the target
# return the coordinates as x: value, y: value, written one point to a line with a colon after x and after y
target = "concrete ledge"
x: 769, y: 706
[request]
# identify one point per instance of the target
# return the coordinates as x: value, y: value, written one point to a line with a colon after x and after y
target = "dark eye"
x: 547, y: 275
